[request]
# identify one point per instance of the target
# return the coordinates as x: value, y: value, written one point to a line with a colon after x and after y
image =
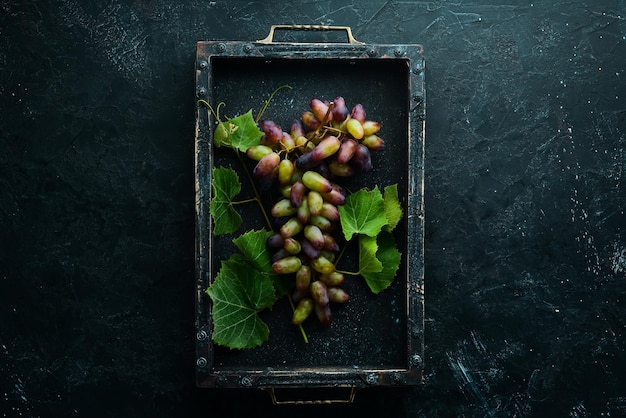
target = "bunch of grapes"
x: 328, y: 142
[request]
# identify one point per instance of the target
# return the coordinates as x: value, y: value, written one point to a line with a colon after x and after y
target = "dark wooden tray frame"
x: 207, y: 375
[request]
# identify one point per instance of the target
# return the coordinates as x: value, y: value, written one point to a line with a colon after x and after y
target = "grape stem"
x: 257, y: 195
x: 267, y: 102
x: 239, y: 202
x: 350, y: 273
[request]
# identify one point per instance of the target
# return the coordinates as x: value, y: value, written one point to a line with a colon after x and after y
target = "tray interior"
x: 370, y: 330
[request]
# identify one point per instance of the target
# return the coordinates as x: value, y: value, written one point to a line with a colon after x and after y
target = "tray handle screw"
x: 221, y: 47
x: 202, y: 92
x: 201, y: 362
x: 371, y: 379
x: 202, y: 335
x: 246, y: 381
x: 416, y: 360
x: 371, y: 52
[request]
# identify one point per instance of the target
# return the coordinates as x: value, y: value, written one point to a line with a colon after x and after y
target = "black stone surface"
x: 525, y: 199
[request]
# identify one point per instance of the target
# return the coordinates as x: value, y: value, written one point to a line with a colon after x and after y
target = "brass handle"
x: 270, y: 37
x: 276, y: 401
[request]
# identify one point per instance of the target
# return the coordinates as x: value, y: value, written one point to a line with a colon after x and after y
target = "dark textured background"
x: 525, y: 198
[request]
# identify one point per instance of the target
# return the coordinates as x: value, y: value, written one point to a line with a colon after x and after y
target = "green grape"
x: 338, y: 295
x: 287, y: 265
x: 315, y: 181
x: 322, y: 265
x: 283, y: 208
x: 302, y: 311
x: 319, y: 292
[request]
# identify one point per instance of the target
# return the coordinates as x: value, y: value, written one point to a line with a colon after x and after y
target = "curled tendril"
x: 216, y: 112
x: 267, y: 102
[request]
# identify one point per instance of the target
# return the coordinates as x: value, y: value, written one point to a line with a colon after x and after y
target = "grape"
x: 283, y: 208
x: 297, y: 129
x: 315, y: 181
x: 335, y: 196
x: 291, y: 228
x: 297, y: 193
x: 315, y: 236
x: 257, y: 152
x: 323, y: 313
x: 340, y: 111
x: 309, y: 249
x: 336, y: 294
x: 280, y: 254
x: 370, y: 127
x: 303, y: 211
x: 286, y: 265
x: 329, y: 255
x: 273, y: 132
x: 323, y: 265
x: 330, y: 211
x: 310, y: 121
x: 302, y: 311
x: 362, y: 159
x: 287, y: 142
x: 330, y: 243
x: 358, y: 112
x: 292, y: 246
x: 301, y: 141
x: 325, y: 148
x: 316, y: 202
x: 340, y: 170
x: 346, y: 150
x: 266, y: 165
x: 373, y: 142
x: 319, y: 292
x: 333, y: 279
x: 303, y: 278
x: 285, y: 171
x: 354, y: 128
x: 275, y: 241
x: 320, y: 110
x: 321, y: 222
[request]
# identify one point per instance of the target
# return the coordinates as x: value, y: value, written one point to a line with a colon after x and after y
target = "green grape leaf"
x: 243, y: 132
x: 225, y: 187
x: 253, y: 245
x: 368, y: 263
x: 283, y: 284
x: 393, y: 209
x: 363, y: 213
x: 239, y: 293
x: 389, y: 256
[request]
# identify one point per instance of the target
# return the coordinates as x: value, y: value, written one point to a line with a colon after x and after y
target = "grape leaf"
x: 363, y: 213
x: 243, y: 132
x: 253, y: 245
x: 225, y: 186
x: 389, y: 256
x: 393, y: 209
x: 239, y: 293
x: 368, y: 263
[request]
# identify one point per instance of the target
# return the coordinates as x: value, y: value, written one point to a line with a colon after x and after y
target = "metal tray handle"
x: 276, y: 401
x: 270, y: 37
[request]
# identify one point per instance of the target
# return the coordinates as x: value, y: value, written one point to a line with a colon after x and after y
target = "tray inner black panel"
x: 371, y: 330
